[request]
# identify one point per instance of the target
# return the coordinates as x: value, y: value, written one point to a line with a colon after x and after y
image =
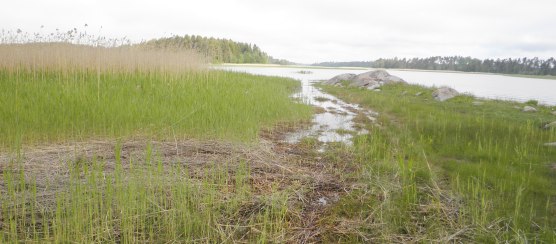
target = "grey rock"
x: 395, y: 79
x: 550, y: 144
x: 339, y: 78
x: 376, y: 90
x: 553, y: 113
x: 374, y: 75
x: 418, y: 94
x: 444, y: 93
x: 364, y: 83
x: 371, y: 80
x: 550, y: 125
x: 380, y: 76
x: 477, y: 103
x: 404, y: 93
x: 529, y: 109
x: 373, y: 86
x: 322, y: 201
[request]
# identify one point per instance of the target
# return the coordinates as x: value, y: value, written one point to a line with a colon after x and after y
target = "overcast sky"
x: 314, y: 30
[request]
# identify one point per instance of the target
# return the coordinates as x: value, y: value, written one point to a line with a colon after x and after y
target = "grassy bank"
x: 47, y: 95
x: 450, y: 171
x: 85, y: 120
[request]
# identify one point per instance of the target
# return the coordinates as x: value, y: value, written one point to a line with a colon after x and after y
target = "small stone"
x: 550, y: 144
x: 404, y: 93
x: 553, y: 113
x: 477, y: 103
x: 418, y: 94
x: 322, y: 201
x: 529, y: 109
x: 550, y: 125
x: 376, y: 90
x: 444, y: 93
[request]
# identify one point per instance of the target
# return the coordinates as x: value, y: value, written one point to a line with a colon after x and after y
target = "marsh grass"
x: 450, y: 171
x: 57, y: 91
x: 141, y: 200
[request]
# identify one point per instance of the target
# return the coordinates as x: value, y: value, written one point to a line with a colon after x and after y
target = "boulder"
x: 444, y: 93
x: 339, y: 78
x: 550, y: 125
x: 529, y: 109
x: 380, y: 76
x: 376, y: 74
x: 370, y: 80
x: 373, y: 86
x: 363, y: 83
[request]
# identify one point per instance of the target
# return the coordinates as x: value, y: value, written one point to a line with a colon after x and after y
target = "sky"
x: 308, y: 31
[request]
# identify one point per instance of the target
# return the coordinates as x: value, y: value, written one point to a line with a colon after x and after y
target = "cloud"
x: 311, y: 30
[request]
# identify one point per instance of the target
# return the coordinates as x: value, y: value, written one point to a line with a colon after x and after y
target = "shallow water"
x: 339, y: 114
x: 486, y: 85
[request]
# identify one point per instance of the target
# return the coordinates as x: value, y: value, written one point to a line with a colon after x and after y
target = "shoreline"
x: 542, y: 77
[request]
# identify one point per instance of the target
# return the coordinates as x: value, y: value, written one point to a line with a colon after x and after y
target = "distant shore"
x: 545, y: 77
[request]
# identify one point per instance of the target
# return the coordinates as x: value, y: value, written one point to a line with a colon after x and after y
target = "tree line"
x: 524, y: 66
x: 216, y: 49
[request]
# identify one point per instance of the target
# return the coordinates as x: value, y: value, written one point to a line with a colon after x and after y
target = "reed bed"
x: 61, y: 100
x: 60, y: 91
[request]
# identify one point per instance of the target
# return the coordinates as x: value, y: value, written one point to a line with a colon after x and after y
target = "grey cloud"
x: 312, y: 30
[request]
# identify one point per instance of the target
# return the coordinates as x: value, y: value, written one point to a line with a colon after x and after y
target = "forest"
x: 216, y: 49
x: 523, y: 66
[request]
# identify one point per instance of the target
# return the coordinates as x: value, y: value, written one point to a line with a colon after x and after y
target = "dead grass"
x: 67, y: 57
x: 321, y: 99
x: 310, y: 180
x: 319, y: 110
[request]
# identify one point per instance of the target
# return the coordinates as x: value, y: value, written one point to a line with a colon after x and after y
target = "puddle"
x: 339, y: 115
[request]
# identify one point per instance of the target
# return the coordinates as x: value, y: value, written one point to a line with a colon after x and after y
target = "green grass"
x: 38, y: 106
x: 141, y: 200
x: 450, y: 171
x: 62, y: 93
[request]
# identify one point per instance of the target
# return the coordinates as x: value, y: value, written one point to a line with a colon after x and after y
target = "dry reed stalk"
x: 73, y: 57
